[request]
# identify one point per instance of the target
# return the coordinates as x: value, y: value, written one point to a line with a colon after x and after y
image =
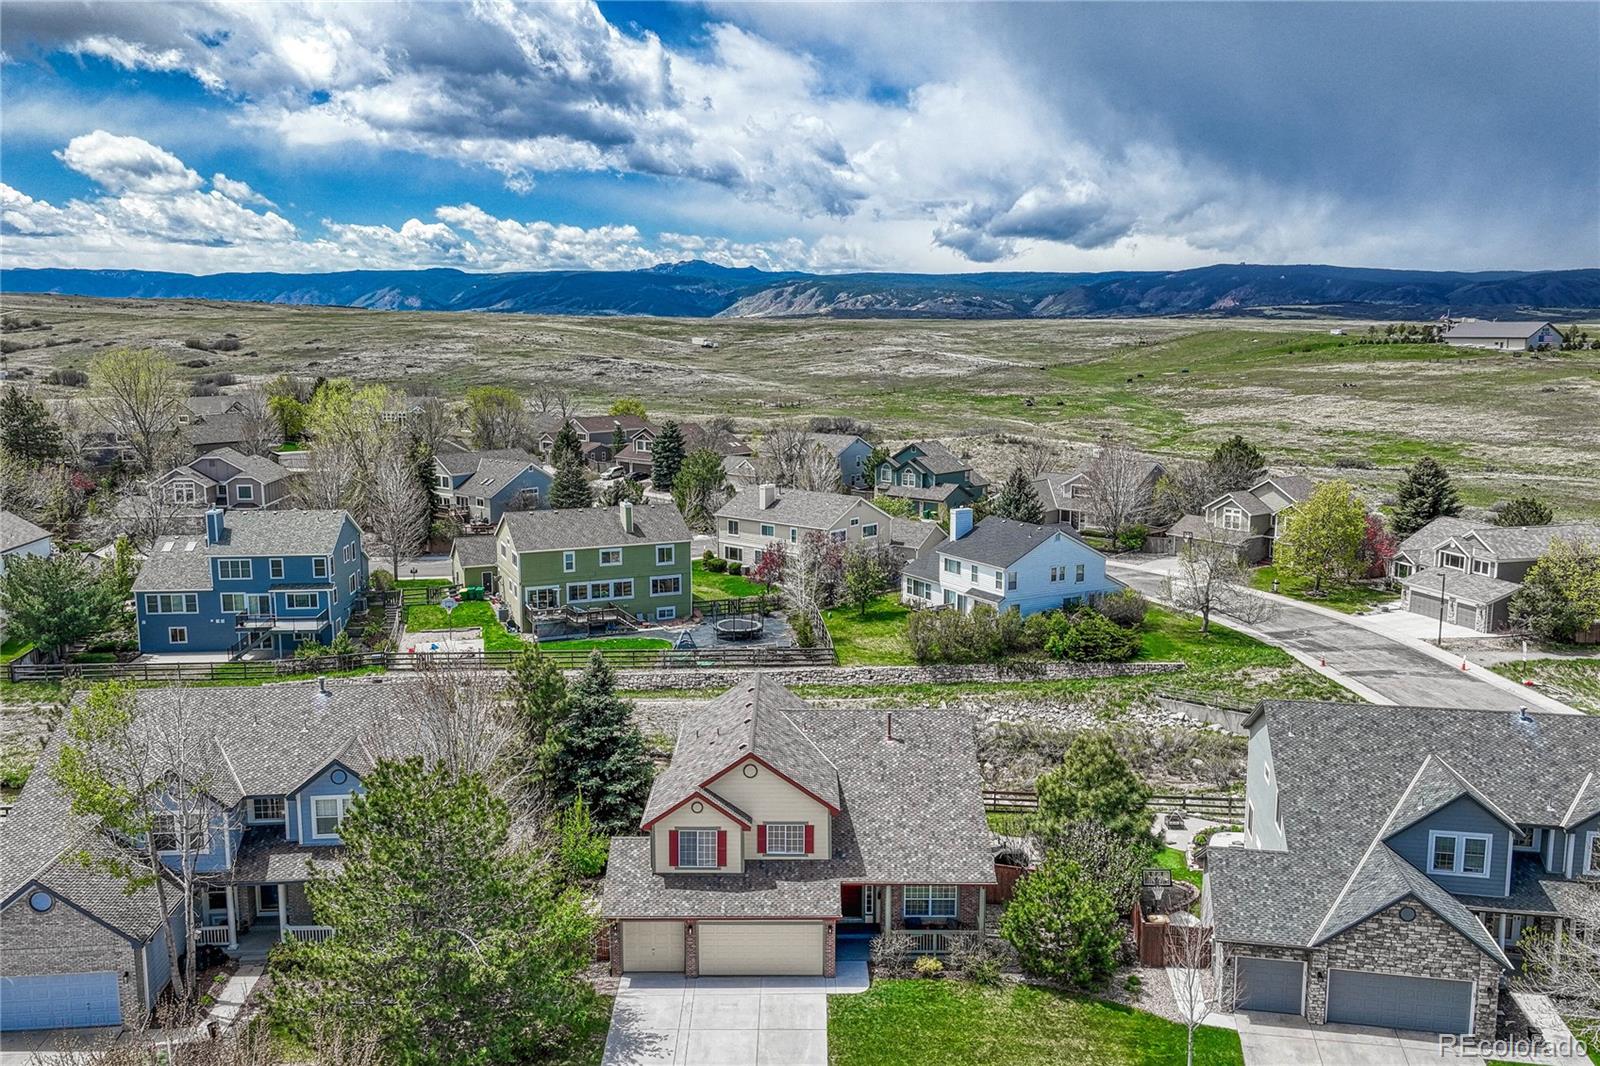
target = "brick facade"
x: 296, y: 904
x: 691, y: 949
x: 64, y: 940
x: 966, y: 908
x: 830, y: 950
x: 614, y: 939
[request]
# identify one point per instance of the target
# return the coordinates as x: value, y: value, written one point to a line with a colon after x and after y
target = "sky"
x: 499, y: 135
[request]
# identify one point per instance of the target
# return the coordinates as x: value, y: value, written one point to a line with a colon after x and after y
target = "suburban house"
x: 226, y: 478
x: 637, y: 460
x: 1247, y: 518
x: 80, y: 950
x: 930, y: 475
x: 211, y: 432
x: 1394, y: 856
x: 755, y: 517
x: 1466, y: 572
x: 478, y: 487
x: 597, y: 436
x: 631, y: 560
x: 849, y: 452
x: 1005, y: 563
x: 20, y: 537
x: 253, y: 581
x: 1068, y: 497
x: 1507, y: 336
x: 472, y: 561
x: 777, y: 829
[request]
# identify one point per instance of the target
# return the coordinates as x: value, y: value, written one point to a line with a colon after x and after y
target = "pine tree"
x: 537, y: 692
x: 1235, y: 464
x: 1018, y: 500
x: 667, y: 457
x: 1525, y: 511
x: 27, y: 429
x: 566, y: 448
x: 1425, y: 494
x: 599, y: 753
x: 619, y: 440
x: 570, y: 489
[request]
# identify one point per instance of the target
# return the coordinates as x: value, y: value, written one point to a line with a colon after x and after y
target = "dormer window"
x: 1459, y: 854
x: 1453, y: 560
x: 786, y: 838
x: 266, y: 809
x: 1483, y: 566
x: 327, y: 814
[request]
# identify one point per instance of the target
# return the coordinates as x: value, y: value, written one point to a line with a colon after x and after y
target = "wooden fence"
x: 1214, y: 806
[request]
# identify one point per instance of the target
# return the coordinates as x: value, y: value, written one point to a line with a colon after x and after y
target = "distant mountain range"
x: 701, y: 289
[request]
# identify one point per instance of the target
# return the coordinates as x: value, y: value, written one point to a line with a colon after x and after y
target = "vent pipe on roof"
x: 214, y: 526
x: 888, y: 725
x: 625, y: 509
x: 1522, y: 713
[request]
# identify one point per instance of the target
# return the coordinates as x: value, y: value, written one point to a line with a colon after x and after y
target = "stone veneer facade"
x: 64, y: 940
x: 1427, y: 946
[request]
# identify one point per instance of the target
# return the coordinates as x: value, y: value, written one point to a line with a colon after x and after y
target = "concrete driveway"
x: 1283, y: 1040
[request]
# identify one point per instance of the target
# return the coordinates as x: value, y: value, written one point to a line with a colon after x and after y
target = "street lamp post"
x: 1442, y: 576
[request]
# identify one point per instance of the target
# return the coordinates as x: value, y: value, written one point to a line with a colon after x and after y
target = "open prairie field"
x: 1504, y: 423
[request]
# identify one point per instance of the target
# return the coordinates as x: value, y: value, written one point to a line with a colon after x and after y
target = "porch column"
x: 283, y: 912
x: 233, y: 925
x: 1502, y: 930
x: 983, y: 907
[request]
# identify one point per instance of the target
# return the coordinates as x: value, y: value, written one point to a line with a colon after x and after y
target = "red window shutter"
x: 722, y: 847
x: 672, y: 847
x: 811, y: 838
x: 761, y: 839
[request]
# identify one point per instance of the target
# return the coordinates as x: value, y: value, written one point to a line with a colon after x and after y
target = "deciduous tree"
x: 1211, y: 579
x: 495, y: 417
x: 863, y: 578
x: 627, y: 405
x: 1118, y: 488
x: 1425, y: 493
x: 1320, y: 538
x: 398, y: 507
x: 769, y: 569
x: 260, y: 429
x: 138, y: 394
x: 1560, y: 594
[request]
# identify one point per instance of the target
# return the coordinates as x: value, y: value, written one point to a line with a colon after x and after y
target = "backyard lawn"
x: 1174, y: 860
x: 14, y: 648
x: 1351, y: 599
x: 1575, y: 682
x: 709, y: 586
x: 613, y: 643
x: 958, y: 1024
x: 877, y: 639
x: 472, y: 613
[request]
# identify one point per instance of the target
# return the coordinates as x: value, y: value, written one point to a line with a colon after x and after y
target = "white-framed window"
x: 171, y: 603
x: 480, y: 503
x: 1232, y: 518
x: 855, y: 521
x: 1454, y: 560
x: 666, y: 554
x: 952, y: 566
x: 244, y: 491
x: 569, y: 562
x: 443, y: 481
x: 543, y: 599
x: 666, y: 586
x: 1483, y: 566
x: 177, y: 634
x: 233, y: 569
x: 1460, y: 854
x: 697, y: 848
x: 233, y: 602
x: 885, y: 474
x: 319, y: 566
x: 733, y: 554
x: 908, y: 479
x: 1078, y: 574
x: 973, y: 576
x: 794, y: 534
x: 949, y: 597
x: 768, y: 530
x: 869, y: 903
x: 733, y: 526
x: 353, y: 582
x: 164, y: 833
x: 999, y: 579
x: 327, y: 814
x: 930, y: 901
x: 666, y: 614
x: 183, y: 492
x: 837, y: 536
x: 869, y: 531
x: 275, y: 569
x: 300, y: 601
x: 786, y: 838
x: 266, y: 809
x: 1591, y: 856
x: 610, y: 556
x: 577, y: 593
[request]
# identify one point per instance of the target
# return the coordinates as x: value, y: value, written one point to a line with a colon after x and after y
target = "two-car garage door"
x: 726, y: 948
x: 1400, y: 1002
x: 59, y: 1001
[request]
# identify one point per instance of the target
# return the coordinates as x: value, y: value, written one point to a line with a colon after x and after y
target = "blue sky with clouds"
x: 501, y: 135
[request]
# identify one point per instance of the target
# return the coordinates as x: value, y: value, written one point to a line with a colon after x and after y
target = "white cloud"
x: 239, y: 191
x: 127, y: 164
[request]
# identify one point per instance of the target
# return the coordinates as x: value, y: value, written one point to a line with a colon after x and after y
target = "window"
x: 974, y: 575
x: 266, y: 899
x: 697, y: 848
x: 569, y: 562
x: 544, y: 599
x: 444, y: 482
x: 183, y: 492
x: 666, y: 614
x: 885, y: 474
x: 1453, y: 560
x: 1078, y: 577
x: 837, y: 536
x: 164, y: 833
x: 353, y: 578
x: 1011, y: 581
x: 768, y: 530
x: 666, y: 586
x: 908, y: 479
x: 999, y: 579
x: 952, y: 566
x: 233, y: 602
x: 733, y: 526
x: 855, y: 521
x: 171, y: 603
x: 869, y: 531
x: 319, y: 566
x: 244, y: 492
x: 300, y: 601
x: 327, y: 813
x: 1591, y: 862
x: 1482, y: 566
x: 610, y: 556
x: 732, y: 554
x: 178, y: 635
x: 930, y: 901
x: 266, y: 809
x: 275, y: 568
x: 577, y: 593
x: 1459, y: 854
x: 1232, y: 518
x: 666, y: 554
x: 794, y: 534
x: 233, y: 569
x: 786, y: 838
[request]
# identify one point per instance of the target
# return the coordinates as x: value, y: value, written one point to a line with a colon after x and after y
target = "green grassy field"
x: 472, y: 613
x: 615, y: 643
x: 1351, y: 599
x: 876, y: 639
x: 953, y: 1023
x: 1575, y: 682
x: 710, y: 586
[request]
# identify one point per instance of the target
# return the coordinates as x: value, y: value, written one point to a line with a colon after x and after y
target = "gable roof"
x: 997, y: 541
x: 593, y: 527
x: 1473, y: 588
x: 16, y: 532
x: 225, y: 428
x: 1528, y: 542
x: 211, y: 406
x: 592, y: 424
x: 1436, y: 786
x: 182, y: 563
x: 458, y: 463
x: 935, y: 457
x: 493, y: 475
x: 257, y: 467
x: 1498, y: 330
x: 793, y: 507
x: 1436, y: 533
x: 474, y: 549
x: 836, y: 444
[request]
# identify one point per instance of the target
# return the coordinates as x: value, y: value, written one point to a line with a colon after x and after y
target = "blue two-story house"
x: 478, y: 487
x: 1395, y: 856
x: 285, y: 766
x: 255, y: 582
x: 1005, y: 563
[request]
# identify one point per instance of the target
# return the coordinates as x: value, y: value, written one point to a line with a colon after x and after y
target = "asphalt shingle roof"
x: 1497, y: 330
x: 590, y: 425
x: 1435, y: 533
x: 932, y: 494
x: 593, y: 527
x: 936, y: 458
x: 494, y: 474
x: 1529, y: 542
x: 459, y: 463
x: 474, y: 550
x: 15, y: 531
x: 1473, y: 588
x: 226, y: 428
x: 997, y: 541
x: 794, y: 507
x: 182, y: 563
x: 258, y: 467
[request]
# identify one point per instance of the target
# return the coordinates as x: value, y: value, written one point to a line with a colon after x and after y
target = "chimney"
x: 625, y: 510
x: 214, y: 526
x: 960, y: 522
x: 766, y: 495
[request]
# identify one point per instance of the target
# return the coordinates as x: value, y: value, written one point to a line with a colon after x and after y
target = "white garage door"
x: 652, y: 947
x: 761, y: 948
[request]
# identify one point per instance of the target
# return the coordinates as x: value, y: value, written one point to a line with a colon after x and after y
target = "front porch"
x: 247, y: 919
x: 936, y: 917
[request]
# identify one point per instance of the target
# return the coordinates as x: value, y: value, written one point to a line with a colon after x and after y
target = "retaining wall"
x: 652, y: 680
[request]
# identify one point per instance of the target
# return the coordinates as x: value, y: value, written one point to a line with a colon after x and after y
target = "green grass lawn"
x: 616, y: 643
x: 953, y: 1023
x: 421, y: 582
x: 709, y: 586
x: 1575, y: 682
x: 1351, y: 599
x: 471, y: 613
x: 876, y: 639
x: 1173, y: 859
x: 13, y: 648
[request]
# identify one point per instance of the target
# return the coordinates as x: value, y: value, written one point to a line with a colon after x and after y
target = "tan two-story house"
x: 755, y: 517
x: 778, y: 829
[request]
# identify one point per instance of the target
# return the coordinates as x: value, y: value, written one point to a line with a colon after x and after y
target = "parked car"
x: 616, y: 473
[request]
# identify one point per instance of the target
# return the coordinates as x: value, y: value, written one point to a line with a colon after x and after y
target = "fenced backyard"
x: 1212, y: 806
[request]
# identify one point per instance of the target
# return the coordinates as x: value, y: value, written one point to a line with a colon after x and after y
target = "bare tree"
x: 1212, y: 579
x: 433, y: 423
x: 1038, y: 456
x: 260, y: 430
x: 397, y: 511
x: 329, y: 482
x: 1118, y: 488
x: 146, y: 512
x: 139, y: 396
x: 458, y: 717
x: 548, y: 397
x: 783, y: 456
x: 1184, y: 488
x: 820, y: 470
x: 1187, y: 953
x: 1566, y: 967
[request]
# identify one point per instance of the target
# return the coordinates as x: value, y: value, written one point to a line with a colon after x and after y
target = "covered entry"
x: 59, y: 1001
x: 1399, y: 1001
x: 761, y: 948
x: 1276, y: 985
x: 652, y: 947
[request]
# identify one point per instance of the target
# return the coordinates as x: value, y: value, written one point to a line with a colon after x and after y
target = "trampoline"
x: 739, y: 628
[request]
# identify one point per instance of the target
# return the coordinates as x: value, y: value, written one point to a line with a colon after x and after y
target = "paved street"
x: 1395, y: 670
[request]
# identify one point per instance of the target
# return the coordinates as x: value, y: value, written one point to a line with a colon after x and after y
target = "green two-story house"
x: 631, y: 558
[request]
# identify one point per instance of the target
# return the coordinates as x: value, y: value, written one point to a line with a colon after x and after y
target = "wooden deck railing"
x: 313, y: 933
x: 216, y: 935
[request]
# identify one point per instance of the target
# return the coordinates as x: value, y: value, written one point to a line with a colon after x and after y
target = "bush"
x: 982, y: 635
x: 707, y: 555
x: 580, y: 851
x: 381, y: 580
x: 1126, y: 608
x: 199, y: 344
x: 975, y: 959
x: 805, y: 635
x: 1063, y: 925
x: 928, y: 966
x: 717, y: 565
x: 1091, y: 637
x: 735, y: 569
x: 1132, y: 539
x: 75, y: 378
x: 1202, y: 838
x: 891, y: 952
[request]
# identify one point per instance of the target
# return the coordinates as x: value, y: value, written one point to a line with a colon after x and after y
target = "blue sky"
x: 500, y: 135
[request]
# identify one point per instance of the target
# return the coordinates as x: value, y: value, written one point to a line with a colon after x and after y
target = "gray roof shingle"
x: 794, y: 507
x: 16, y: 531
x: 1495, y: 330
x: 494, y: 474
x: 459, y: 463
x: 471, y: 550
x: 936, y: 458
x: 997, y: 541
x: 182, y: 563
x: 593, y: 527
x: 1473, y: 588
